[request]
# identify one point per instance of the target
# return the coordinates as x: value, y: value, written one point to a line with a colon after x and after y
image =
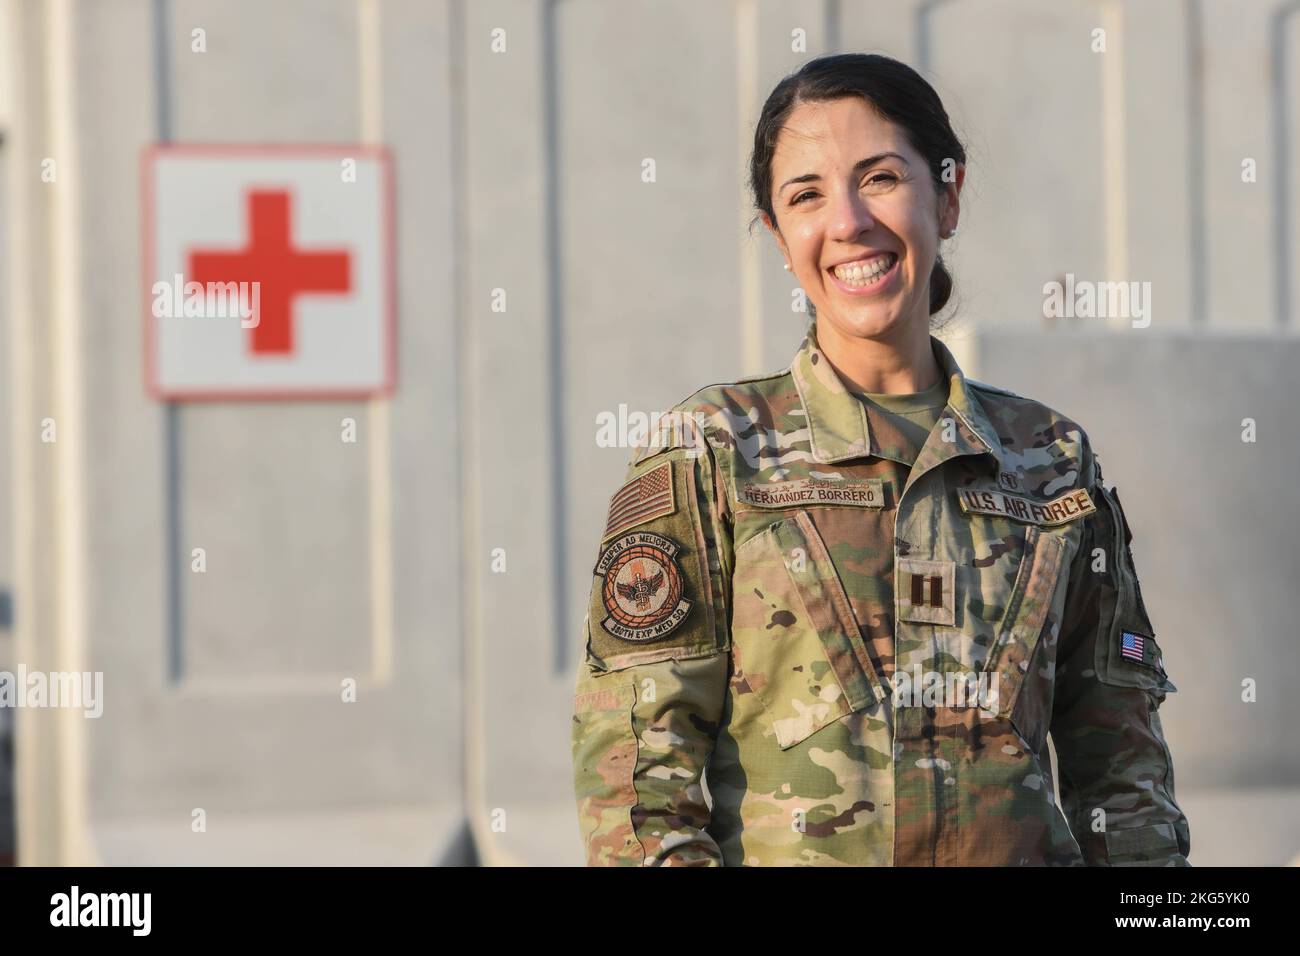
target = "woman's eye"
x: 878, y: 180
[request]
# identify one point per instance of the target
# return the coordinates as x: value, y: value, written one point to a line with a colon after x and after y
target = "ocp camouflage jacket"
x: 860, y: 660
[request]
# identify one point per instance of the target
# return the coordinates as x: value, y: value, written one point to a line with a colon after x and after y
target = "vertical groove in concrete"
x: 751, y: 292
x: 1282, y: 162
x: 555, y: 332
x: 1114, y: 147
x: 473, y: 762
x: 171, y: 438
x: 1196, y: 184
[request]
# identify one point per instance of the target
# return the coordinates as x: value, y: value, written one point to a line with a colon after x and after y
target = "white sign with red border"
x: 268, y: 272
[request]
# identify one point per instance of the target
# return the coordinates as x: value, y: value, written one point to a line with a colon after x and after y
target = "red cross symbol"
x: 271, y: 259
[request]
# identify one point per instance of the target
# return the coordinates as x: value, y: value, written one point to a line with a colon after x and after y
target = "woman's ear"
x: 776, y: 234
x: 950, y: 198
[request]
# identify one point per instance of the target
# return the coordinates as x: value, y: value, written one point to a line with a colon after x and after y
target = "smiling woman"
x: 853, y: 597
x: 842, y: 155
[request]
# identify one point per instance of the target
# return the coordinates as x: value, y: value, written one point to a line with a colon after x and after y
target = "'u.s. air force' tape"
x: 990, y: 501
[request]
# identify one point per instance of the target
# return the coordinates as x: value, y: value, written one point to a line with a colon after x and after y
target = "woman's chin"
x: 865, y: 322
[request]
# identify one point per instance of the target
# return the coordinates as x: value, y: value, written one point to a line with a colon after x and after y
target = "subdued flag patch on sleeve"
x: 642, y: 499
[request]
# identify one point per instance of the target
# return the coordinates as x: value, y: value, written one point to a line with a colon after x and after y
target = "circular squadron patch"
x: 643, y: 591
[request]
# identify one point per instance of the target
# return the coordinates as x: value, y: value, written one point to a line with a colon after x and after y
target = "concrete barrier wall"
x: 571, y: 243
x: 1213, y: 525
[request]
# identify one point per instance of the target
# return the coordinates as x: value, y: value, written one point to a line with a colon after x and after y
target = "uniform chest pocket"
x: 796, y: 643
x: 1027, y: 608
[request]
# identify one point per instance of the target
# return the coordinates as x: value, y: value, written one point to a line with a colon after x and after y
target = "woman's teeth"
x: 860, y: 273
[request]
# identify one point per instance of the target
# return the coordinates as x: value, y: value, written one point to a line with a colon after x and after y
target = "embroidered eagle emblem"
x: 642, y: 589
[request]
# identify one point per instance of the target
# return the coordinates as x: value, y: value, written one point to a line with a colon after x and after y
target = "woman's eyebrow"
x: 857, y: 168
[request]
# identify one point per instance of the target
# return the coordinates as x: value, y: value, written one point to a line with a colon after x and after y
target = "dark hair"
x: 896, y: 91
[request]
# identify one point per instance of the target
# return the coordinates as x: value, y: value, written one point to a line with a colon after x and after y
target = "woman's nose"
x: 849, y: 216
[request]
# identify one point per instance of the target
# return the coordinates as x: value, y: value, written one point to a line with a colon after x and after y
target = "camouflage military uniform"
x: 768, y: 578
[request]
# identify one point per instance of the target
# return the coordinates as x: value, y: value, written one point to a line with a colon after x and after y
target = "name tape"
x: 855, y: 492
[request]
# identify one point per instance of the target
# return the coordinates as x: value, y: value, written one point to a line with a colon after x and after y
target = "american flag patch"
x: 1132, y: 647
x: 641, y: 499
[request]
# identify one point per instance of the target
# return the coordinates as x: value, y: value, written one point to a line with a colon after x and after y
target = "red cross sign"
x: 284, y: 271
x: 268, y: 272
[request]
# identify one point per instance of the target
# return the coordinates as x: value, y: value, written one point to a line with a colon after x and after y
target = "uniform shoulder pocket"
x: 655, y: 588
x: 1127, y: 652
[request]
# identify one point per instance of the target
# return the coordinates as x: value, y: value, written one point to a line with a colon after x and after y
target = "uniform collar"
x: 837, y: 419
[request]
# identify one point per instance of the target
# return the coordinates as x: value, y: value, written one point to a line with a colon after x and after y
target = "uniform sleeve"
x: 1116, y: 772
x: 652, y: 682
